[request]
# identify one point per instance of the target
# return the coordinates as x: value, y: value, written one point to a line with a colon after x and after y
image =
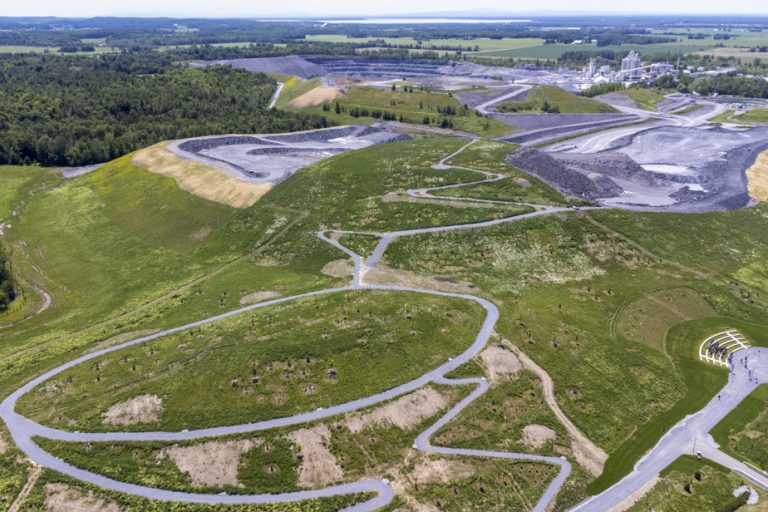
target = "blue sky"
x: 223, y: 8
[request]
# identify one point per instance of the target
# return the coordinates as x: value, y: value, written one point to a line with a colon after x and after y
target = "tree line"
x: 70, y: 111
x: 7, y: 285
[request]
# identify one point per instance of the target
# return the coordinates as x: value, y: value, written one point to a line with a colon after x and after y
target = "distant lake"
x: 406, y: 21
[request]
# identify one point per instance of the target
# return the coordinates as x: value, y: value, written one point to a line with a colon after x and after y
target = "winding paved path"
x: 23, y: 429
x: 690, y: 437
x: 676, y: 442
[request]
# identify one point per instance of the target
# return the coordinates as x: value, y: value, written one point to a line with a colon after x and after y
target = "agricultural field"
x: 478, y: 44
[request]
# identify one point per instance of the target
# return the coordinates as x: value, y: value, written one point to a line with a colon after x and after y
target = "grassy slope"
x: 490, y: 156
x: 710, y: 484
x: 149, y: 263
x: 755, y: 116
x: 644, y: 98
x: 566, y: 102
x: 742, y: 432
x: 413, y: 106
x: 374, y: 341
x: 599, y: 276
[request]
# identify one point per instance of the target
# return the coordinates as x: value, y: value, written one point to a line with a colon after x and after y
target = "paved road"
x: 689, y: 436
x: 486, y: 108
x: 23, y: 430
x: 600, y: 141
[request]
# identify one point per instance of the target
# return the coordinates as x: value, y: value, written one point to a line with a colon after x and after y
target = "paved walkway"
x: 23, y: 430
x: 679, y: 440
x: 690, y: 436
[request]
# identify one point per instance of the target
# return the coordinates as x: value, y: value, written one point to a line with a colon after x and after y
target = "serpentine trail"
x: 676, y: 442
x: 23, y: 430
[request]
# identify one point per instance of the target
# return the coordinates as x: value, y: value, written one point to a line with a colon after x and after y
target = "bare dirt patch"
x: 3, y: 444
x: 757, y: 178
x: 253, y: 298
x: 500, y: 362
x: 338, y: 268
x: 589, y: 456
x: 382, y: 274
x: 536, y: 436
x: 318, y: 465
x: 633, y: 498
x: 63, y: 498
x: 406, y: 412
x: 316, y: 97
x: 522, y: 182
x: 141, y: 409
x: 441, y: 471
x: 212, y: 464
x: 200, y: 179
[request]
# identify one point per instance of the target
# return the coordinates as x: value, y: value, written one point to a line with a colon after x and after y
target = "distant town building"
x: 605, y: 70
x: 630, y: 66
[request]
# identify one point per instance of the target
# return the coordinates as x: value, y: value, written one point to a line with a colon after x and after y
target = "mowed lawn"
x: 744, y: 432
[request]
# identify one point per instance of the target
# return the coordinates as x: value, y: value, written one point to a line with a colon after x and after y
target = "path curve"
x: 23, y: 430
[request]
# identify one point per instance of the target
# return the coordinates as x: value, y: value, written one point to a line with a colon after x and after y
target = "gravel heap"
x: 567, y: 180
x: 615, y: 165
x: 198, y: 145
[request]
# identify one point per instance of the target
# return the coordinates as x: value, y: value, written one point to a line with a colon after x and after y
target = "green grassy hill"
x: 550, y: 99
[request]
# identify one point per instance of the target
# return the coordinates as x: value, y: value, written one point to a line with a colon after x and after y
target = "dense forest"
x: 7, y: 286
x: 72, y: 111
x: 728, y: 85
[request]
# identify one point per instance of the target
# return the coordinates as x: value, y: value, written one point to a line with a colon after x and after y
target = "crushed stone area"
x: 533, y: 128
x: 288, y: 65
x: 270, y: 159
x: 665, y: 168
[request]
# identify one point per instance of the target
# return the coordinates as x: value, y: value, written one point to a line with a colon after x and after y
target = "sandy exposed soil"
x: 253, y: 298
x: 3, y: 444
x: 499, y: 362
x: 212, y: 464
x: 141, y: 409
x: 316, y: 97
x: 200, y: 179
x: 318, y: 465
x: 633, y: 498
x: 440, y: 471
x: 382, y: 274
x: 589, y: 456
x: 537, y: 436
x: 338, y: 268
x: 62, y: 498
x: 406, y: 412
x: 757, y: 177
